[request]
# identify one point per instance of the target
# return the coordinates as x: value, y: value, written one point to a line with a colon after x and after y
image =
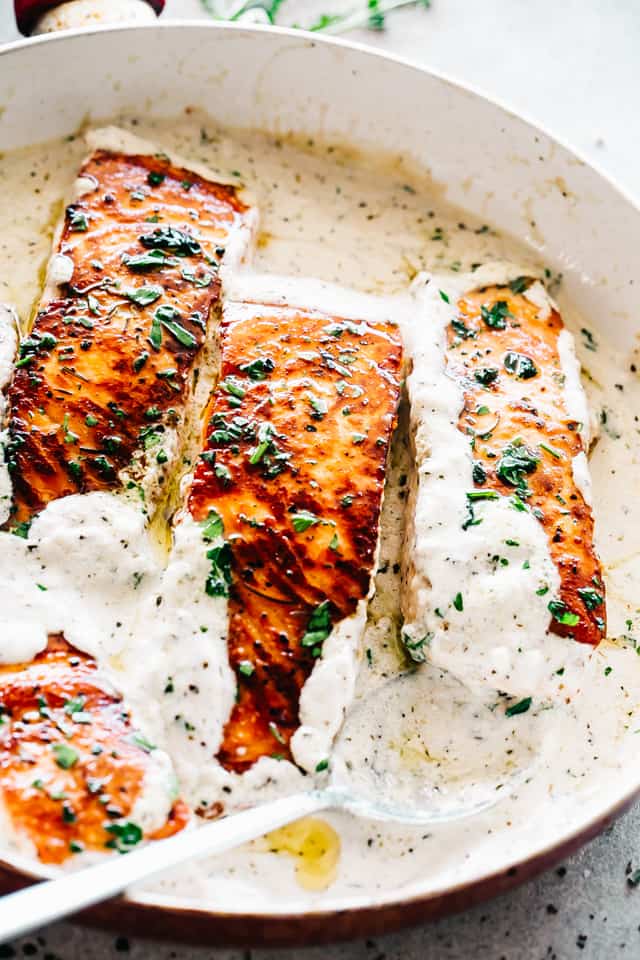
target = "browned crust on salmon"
x: 294, y: 465
x: 101, y: 377
x: 71, y: 764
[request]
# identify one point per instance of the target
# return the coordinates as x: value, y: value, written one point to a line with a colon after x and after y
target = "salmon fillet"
x: 98, y: 396
x: 504, y: 352
x: 72, y: 764
x: 99, y: 401
x: 500, y: 547
x: 289, y: 486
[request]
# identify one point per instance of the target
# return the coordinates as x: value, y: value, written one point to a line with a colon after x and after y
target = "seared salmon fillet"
x: 98, y: 396
x: 98, y: 401
x: 72, y: 764
x: 499, y: 547
x: 289, y: 486
x: 503, y: 350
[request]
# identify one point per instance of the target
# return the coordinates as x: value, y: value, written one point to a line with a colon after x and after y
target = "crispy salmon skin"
x: 290, y: 484
x: 102, y: 379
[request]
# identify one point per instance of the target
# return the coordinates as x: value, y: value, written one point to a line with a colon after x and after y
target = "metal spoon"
x: 360, y: 785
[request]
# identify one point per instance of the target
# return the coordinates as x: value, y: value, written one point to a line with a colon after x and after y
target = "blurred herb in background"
x: 370, y: 14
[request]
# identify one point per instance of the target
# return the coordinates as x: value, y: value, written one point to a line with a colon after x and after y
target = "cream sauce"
x: 349, y: 220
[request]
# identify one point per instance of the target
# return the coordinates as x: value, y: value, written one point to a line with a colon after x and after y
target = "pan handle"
x: 48, y: 16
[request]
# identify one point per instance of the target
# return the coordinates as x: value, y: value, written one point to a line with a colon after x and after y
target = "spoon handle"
x: 52, y: 899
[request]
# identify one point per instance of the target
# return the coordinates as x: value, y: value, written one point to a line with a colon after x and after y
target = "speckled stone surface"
x: 574, y: 68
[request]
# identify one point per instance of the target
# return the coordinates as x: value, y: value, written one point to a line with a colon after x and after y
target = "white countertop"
x: 572, y: 66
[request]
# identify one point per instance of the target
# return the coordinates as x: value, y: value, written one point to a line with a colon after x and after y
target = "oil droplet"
x: 314, y: 844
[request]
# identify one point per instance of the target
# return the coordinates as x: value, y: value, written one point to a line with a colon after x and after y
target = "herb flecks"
x: 562, y: 614
x: 516, y: 462
x: 520, y: 365
x: 318, y: 628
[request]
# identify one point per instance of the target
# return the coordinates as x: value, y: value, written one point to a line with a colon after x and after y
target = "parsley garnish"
x: 77, y: 219
x: 259, y: 368
x: 520, y: 365
x: 179, y: 242
x: 318, y: 628
x: 462, y: 331
x: 213, y: 526
x: 517, y: 460
x: 495, y: 317
x: 66, y: 756
x: 168, y: 316
x: 485, y: 375
x: 561, y: 613
x: 143, y: 296
x: 219, y: 578
x: 521, y: 707
x: 519, y: 285
x: 303, y: 520
x: 124, y: 836
x: 591, y: 598
x: 416, y: 648
x: 141, y: 262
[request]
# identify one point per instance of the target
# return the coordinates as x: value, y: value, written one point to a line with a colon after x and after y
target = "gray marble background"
x: 574, y: 67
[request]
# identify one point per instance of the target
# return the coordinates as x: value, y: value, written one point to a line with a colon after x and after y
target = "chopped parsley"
x: 124, y: 836
x: 66, y: 757
x: 318, y: 405
x: 483, y: 495
x: 140, y: 361
x: 590, y: 597
x: 318, y: 628
x: 219, y: 578
x: 176, y: 241
x: 562, y: 614
x: 233, y: 388
x: 143, y: 296
x: 167, y: 316
x: 516, y: 462
x: 258, y: 369
x: 303, y: 519
x: 519, y: 285
x: 246, y: 668
x: 495, y: 317
x: 557, y: 454
x: 462, y: 331
x: 142, y: 742
x: 479, y: 473
x: 415, y: 649
x: 152, y: 260
x: 520, y: 707
x: 458, y: 602
x: 212, y: 527
x: 485, y: 375
x: 520, y: 365
x: 77, y: 219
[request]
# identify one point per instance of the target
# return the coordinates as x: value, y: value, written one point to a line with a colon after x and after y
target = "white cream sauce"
x: 352, y: 221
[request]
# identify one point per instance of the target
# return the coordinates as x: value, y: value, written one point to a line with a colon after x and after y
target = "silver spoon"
x: 360, y: 785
